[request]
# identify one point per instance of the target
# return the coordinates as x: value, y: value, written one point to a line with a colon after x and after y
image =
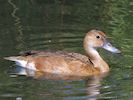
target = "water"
x: 61, y: 25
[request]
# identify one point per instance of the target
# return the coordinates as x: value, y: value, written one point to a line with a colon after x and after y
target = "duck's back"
x: 66, y: 55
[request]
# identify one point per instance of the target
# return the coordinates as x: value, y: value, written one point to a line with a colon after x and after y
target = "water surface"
x: 61, y: 25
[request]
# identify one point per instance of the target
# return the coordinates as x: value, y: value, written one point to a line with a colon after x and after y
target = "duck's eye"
x: 97, y: 37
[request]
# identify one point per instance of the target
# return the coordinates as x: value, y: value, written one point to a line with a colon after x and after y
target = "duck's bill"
x: 109, y: 47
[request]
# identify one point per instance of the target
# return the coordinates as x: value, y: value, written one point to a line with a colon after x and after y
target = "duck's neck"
x: 96, y: 59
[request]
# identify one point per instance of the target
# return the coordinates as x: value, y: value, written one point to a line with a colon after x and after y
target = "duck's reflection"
x: 93, y: 83
x: 93, y: 87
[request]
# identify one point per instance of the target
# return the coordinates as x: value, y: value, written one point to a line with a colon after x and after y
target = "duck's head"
x: 95, y: 39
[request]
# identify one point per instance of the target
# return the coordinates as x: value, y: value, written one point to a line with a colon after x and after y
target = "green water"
x: 61, y: 25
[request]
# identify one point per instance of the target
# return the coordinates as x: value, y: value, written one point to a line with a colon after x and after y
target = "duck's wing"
x: 74, y: 56
x: 66, y: 55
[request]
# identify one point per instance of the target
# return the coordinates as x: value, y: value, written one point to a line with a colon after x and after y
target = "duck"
x: 68, y: 63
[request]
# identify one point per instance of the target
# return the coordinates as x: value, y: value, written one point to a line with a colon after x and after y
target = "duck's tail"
x: 26, y: 67
x: 12, y: 58
x: 18, y: 60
